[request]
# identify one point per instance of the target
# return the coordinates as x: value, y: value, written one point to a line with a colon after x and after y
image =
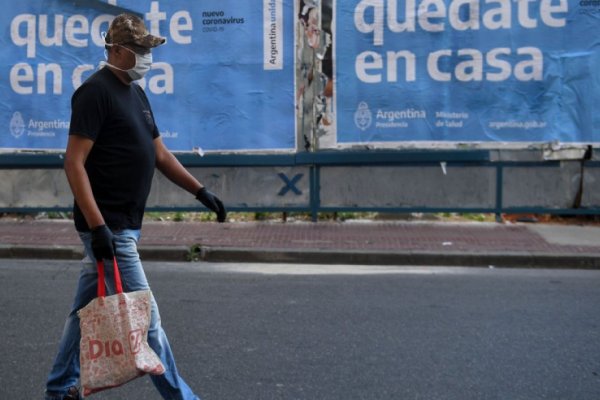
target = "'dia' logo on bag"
x: 108, y: 348
x: 111, y: 348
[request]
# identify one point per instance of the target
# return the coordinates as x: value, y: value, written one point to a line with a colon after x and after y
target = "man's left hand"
x: 212, y: 202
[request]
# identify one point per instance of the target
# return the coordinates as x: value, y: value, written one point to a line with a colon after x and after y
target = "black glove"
x: 212, y: 202
x: 102, y: 243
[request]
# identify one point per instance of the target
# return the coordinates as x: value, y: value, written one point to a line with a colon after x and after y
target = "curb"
x: 59, y: 252
x: 304, y: 256
x: 504, y: 259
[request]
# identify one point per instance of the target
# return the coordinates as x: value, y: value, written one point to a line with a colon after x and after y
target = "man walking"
x: 113, y: 148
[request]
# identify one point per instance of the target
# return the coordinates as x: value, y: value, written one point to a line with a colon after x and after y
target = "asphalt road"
x: 248, y: 331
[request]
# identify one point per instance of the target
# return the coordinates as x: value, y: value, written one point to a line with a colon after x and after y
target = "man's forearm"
x: 171, y: 168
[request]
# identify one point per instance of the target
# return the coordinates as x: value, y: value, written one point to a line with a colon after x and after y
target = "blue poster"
x: 224, y: 81
x: 467, y: 71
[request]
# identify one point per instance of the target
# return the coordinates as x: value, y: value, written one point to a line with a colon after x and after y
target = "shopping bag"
x: 114, y: 329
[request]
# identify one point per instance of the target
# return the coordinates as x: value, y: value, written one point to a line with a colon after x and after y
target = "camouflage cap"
x: 130, y: 29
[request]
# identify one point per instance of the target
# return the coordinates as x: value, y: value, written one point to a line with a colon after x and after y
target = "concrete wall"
x: 551, y: 187
x: 459, y: 186
x: 34, y: 188
x: 410, y: 186
x: 241, y: 187
x: 591, y: 187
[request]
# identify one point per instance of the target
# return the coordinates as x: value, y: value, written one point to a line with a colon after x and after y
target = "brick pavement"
x: 364, y: 236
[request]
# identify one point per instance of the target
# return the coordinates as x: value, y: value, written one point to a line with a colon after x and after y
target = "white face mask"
x: 141, y: 67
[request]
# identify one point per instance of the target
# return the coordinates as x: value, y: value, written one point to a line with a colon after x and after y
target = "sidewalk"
x: 373, y: 243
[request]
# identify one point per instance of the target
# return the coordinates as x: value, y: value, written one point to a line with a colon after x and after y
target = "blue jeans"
x: 65, y: 371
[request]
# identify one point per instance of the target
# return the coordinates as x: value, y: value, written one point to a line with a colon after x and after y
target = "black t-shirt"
x: 120, y: 166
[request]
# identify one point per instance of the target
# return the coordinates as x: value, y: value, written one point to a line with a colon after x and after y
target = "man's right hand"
x: 102, y: 243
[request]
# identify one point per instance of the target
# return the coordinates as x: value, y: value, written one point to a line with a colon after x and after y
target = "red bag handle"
x: 101, y: 285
